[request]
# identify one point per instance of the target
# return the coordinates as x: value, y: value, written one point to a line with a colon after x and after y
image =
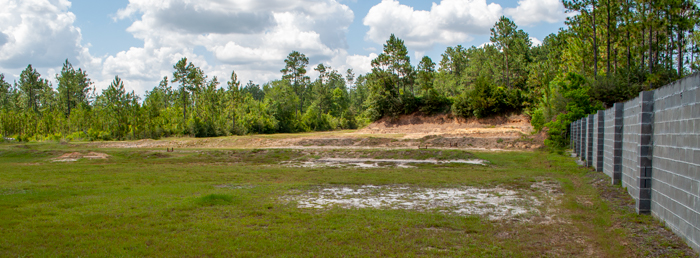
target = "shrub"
x: 538, y: 120
x: 482, y: 99
x: 80, y: 135
x: 433, y: 102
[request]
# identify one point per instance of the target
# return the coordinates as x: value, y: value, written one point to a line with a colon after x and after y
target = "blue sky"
x: 139, y: 40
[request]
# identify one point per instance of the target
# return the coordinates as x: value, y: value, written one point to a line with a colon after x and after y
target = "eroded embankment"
x: 410, y: 131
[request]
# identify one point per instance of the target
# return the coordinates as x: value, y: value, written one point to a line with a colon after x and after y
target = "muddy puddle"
x: 379, y: 163
x: 492, y: 203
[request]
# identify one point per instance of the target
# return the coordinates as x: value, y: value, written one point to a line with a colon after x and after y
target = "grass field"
x: 232, y: 203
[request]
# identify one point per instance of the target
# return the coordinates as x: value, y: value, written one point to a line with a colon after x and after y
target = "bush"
x: 482, y: 99
x: 433, y: 102
x: 538, y: 120
x: 612, y: 89
x: 80, y: 135
x: 315, y: 120
x: 56, y: 137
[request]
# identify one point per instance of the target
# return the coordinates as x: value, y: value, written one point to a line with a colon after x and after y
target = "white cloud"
x: 360, y: 64
x: 450, y: 22
x: 39, y: 32
x: 248, y: 36
x: 535, y: 41
x: 531, y: 12
x: 487, y: 43
x: 251, y: 37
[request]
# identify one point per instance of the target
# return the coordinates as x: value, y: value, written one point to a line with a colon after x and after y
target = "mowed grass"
x: 226, y: 203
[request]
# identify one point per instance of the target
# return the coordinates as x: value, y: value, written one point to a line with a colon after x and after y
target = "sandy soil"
x: 75, y: 156
x: 416, y: 126
x: 493, y: 203
x: 512, y: 132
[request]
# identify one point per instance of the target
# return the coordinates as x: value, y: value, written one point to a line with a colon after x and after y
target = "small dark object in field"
x: 171, y: 149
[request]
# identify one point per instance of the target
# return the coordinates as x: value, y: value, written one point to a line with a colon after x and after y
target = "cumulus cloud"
x: 210, y: 21
x: 531, y: 12
x: 3, y: 39
x: 38, y: 32
x: 252, y: 37
x: 452, y: 22
x: 449, y: 22
x: 360, y: 64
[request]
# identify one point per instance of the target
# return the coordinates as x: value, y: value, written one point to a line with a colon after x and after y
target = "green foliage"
x: 612, y: 89
x: 73, y: 88
x: 254, y: 91
x: 513, y: 46
x: 315, y: 120
x: 482, y: 99
x: 283, y: 103
x: 575, y: 90
x: 617, y: 48
x: 80, y: 135
x: 538, y: 120
x: 434, y: 102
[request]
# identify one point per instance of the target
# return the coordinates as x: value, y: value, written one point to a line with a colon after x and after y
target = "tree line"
x: 609, y: 51
x: 188, y: 104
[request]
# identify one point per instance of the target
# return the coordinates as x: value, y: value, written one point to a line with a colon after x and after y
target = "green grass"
x: 195, y: 203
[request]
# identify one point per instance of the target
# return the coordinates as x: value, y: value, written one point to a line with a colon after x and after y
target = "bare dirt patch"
x: 417, y: 126
x: 492, y: 203
x: 75, y: 156
x: 512, y: 132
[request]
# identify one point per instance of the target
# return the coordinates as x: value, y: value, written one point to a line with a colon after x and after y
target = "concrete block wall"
x: 612, y: 149
x: 573, y: 137
x: 599, y: 141
x: 651, y: 146
x: 584, y: 135
x: 630, y: 146
x: 589, y: 140
x: 675, y: 196
x: 594, y: 157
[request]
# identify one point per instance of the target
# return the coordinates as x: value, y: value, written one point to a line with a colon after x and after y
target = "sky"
x: 141, y: 40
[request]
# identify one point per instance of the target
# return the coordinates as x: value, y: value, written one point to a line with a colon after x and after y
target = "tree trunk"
x: 680, y: 53
x: 608, y: 68
x: 644, y: 45
x: 184, y: 107
x: 615, y: 61
x: 627, y: 23
x: 68, y: 101
x: 651, y: 49
x: 595, y: 45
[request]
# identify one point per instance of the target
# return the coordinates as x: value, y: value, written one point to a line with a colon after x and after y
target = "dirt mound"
x: 75, y: 156
x: 418, y: 126
x: 95, y: 155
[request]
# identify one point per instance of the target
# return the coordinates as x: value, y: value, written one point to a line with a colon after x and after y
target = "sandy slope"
x: 409, y: 131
